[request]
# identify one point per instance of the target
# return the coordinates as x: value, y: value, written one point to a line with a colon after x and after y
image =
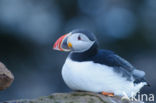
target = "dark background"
x: 29, y: 28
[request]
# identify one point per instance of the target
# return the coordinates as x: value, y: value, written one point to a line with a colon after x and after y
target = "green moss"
x: 41, y: 99
x: 31, y: 102
x: 76, y: 94
x: 56, y: 102
x: 65, y: 97
x: 51, y: 97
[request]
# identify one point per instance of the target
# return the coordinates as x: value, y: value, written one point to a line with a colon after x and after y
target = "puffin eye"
x: 79, y: 38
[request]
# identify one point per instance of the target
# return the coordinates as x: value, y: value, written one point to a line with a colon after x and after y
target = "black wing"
x: 120, y: 65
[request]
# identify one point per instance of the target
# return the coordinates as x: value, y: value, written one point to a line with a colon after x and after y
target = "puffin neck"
x: 86, y: 55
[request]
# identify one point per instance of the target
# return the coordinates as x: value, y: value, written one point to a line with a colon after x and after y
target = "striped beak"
x: 61, y: 44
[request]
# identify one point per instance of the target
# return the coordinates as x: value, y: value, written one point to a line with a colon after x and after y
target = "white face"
x: 79, y: 42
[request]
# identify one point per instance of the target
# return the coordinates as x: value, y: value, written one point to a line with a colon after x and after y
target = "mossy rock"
x: 74, y: 97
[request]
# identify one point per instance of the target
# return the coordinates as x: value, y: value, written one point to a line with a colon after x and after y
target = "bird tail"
x: 148, y: 84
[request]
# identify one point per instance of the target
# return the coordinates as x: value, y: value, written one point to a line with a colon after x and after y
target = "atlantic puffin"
x: 88, y: 68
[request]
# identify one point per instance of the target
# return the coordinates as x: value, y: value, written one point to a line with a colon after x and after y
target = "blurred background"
x: 29, y: 28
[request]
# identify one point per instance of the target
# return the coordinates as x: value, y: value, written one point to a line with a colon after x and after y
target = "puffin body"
x: 96, y: 77
x: 88, y: 68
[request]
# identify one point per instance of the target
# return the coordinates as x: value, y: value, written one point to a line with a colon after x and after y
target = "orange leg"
x: 107, y: 94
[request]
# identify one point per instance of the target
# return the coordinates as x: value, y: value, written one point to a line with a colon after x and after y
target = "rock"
x: 6, y: 77
x: 74, y: 97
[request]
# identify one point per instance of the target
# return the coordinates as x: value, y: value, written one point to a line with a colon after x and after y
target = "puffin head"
x: 75, y: 41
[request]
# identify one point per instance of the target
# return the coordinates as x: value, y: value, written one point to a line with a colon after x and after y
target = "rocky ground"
x: 73, y: 97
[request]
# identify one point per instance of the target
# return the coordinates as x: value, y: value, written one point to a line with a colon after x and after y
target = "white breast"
x: 94, y: 77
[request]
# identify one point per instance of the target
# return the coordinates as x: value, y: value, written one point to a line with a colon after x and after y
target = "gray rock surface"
x: 6, y: 77
x: 74, y: 97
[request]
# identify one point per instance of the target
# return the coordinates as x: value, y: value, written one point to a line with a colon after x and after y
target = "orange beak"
x: 61, y: 43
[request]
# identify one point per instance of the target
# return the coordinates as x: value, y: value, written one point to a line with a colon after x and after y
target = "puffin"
x: 88, y: 68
